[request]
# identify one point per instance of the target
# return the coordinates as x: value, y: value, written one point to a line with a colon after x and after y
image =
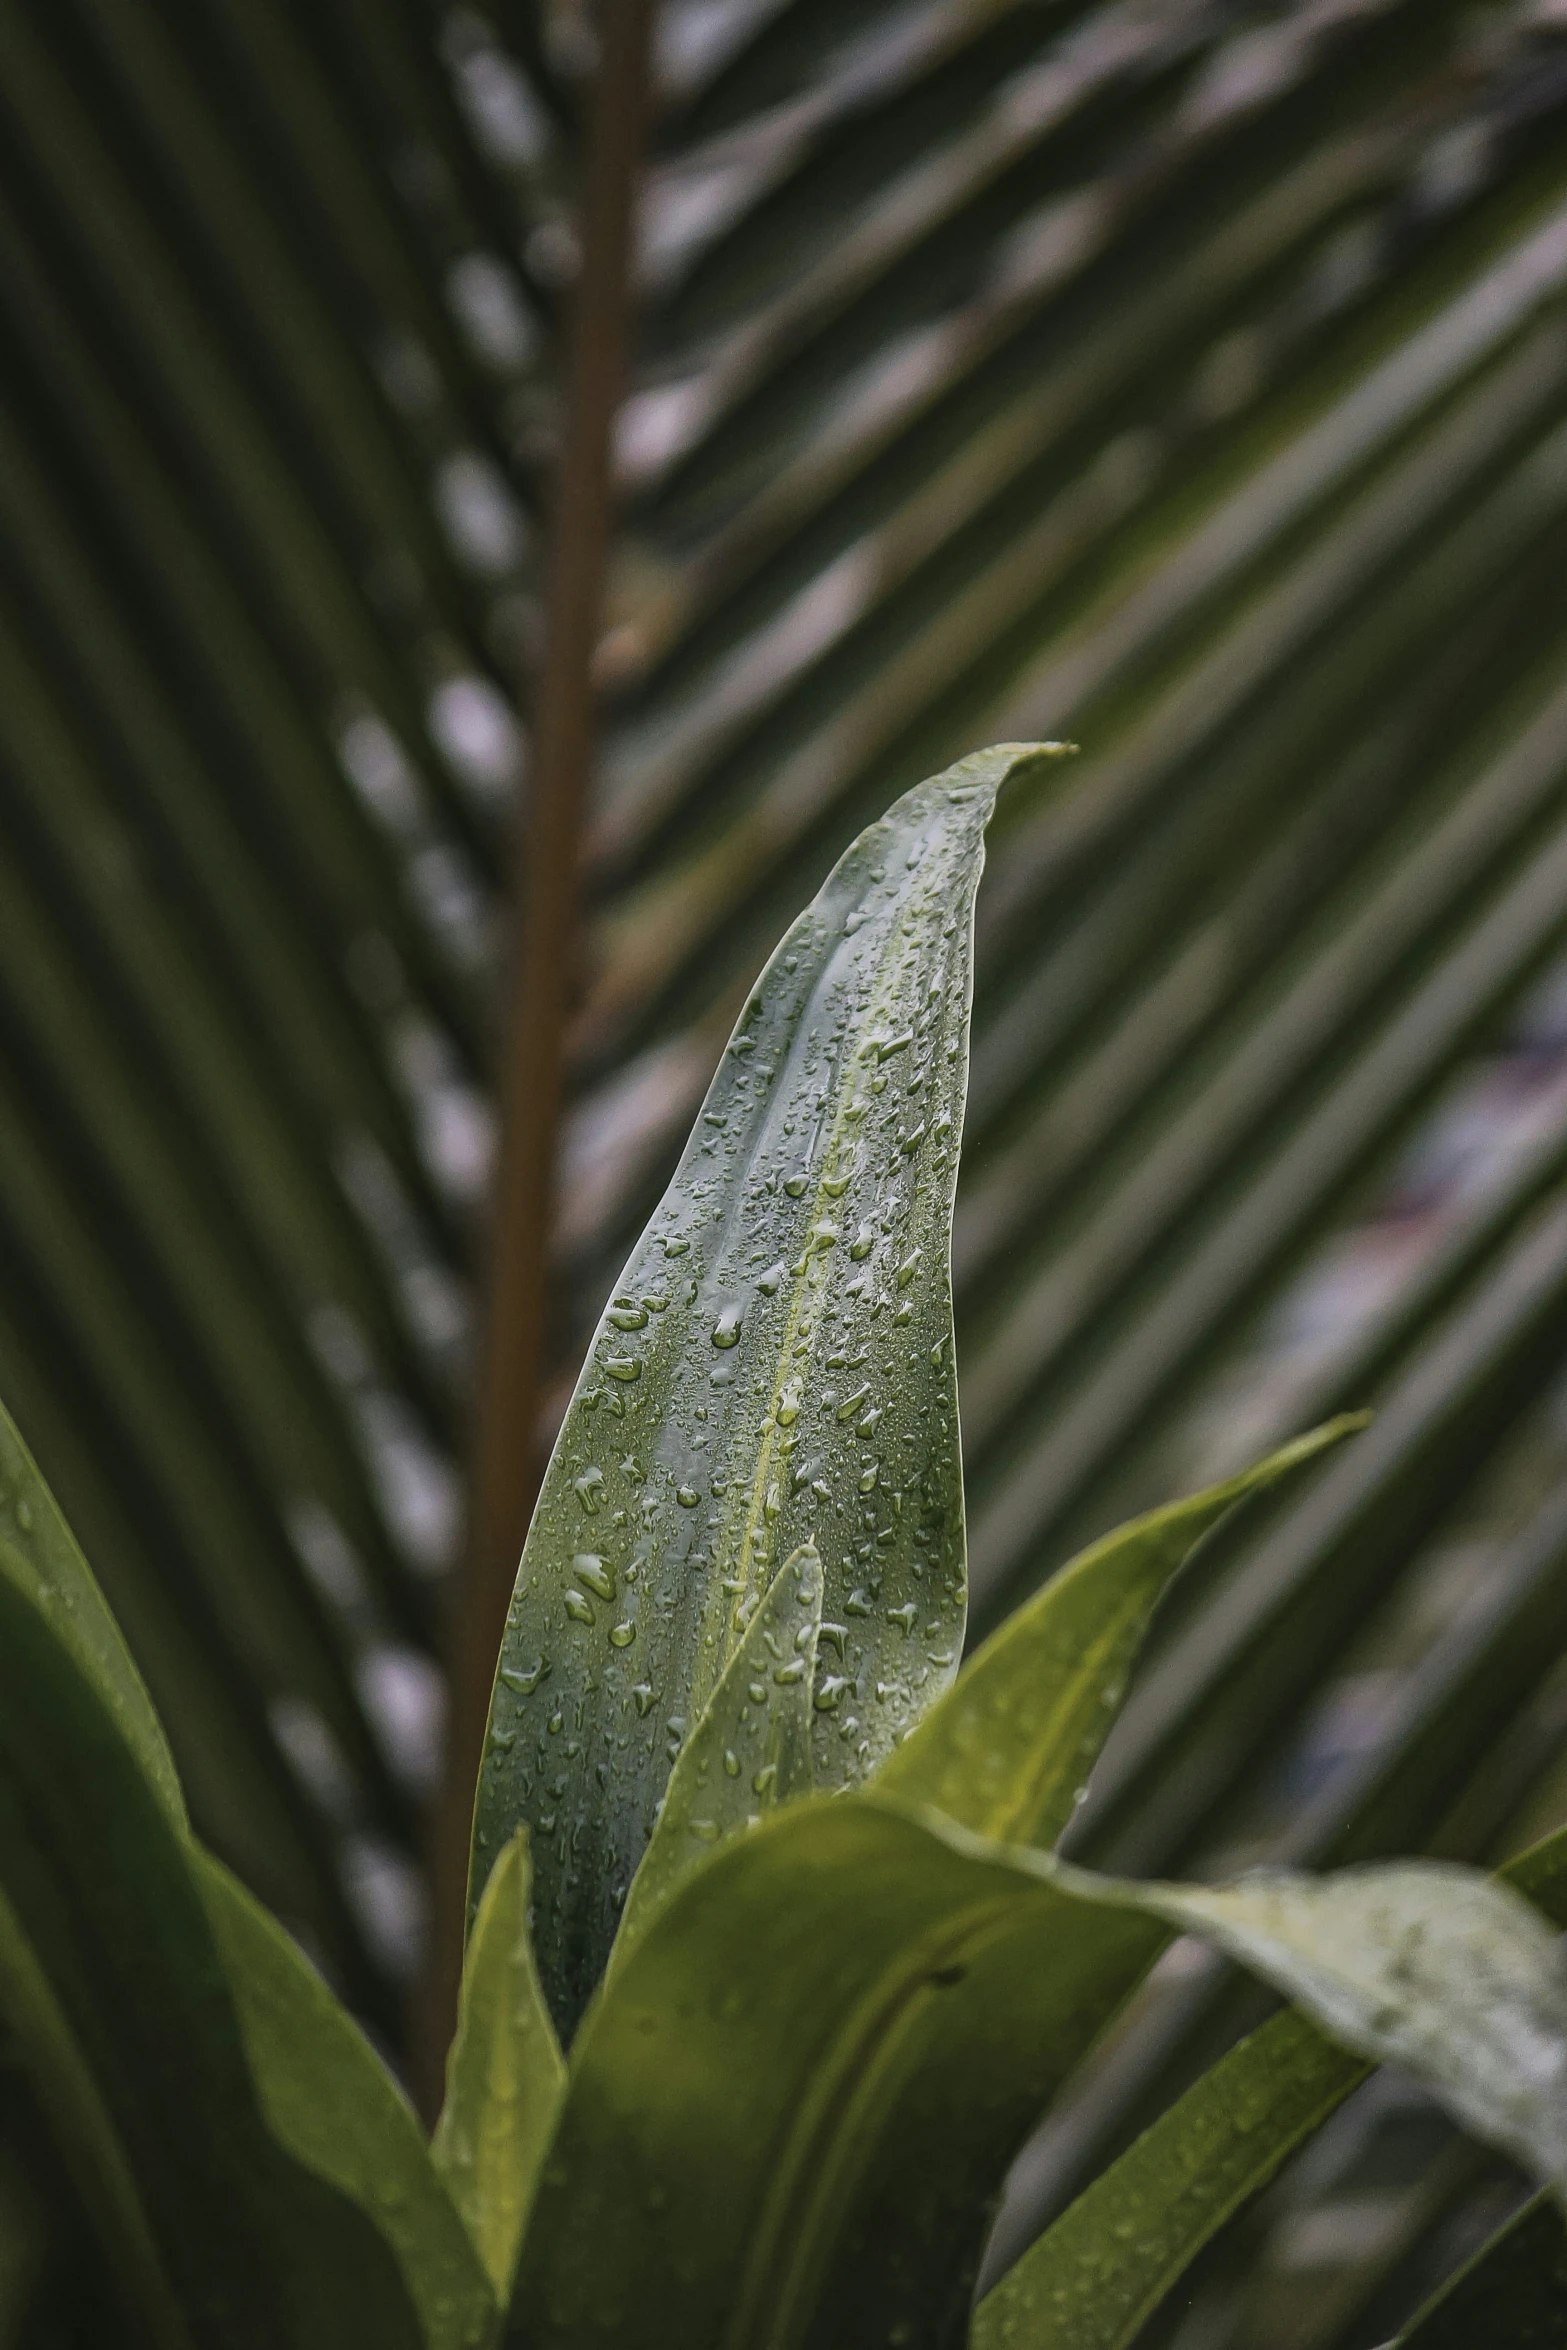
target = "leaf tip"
x: 1022, y: 758
x: 1334, y: 1431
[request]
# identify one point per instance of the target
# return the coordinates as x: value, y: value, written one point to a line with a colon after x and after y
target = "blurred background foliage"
x: 1182, y: 377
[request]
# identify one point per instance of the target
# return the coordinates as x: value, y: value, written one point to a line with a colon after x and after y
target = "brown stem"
x: 507, y: 1463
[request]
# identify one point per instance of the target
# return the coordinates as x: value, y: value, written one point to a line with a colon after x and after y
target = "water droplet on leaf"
x: 526, y: 1680
x: 589, y: 1489
x: 590, y: 1569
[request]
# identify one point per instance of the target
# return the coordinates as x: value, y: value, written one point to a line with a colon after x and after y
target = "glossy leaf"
x: 505, y: 2075
x: 330, y: 2104
x: 751, y: 1747
x: 1427, y: 1965
x: 1094, y: 2277
x: 1008, y: 1749
x: 775, y: 1366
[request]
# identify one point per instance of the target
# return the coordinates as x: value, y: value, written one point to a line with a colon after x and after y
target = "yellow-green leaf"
x: 505, y: 2075
x: 1006, y: 1751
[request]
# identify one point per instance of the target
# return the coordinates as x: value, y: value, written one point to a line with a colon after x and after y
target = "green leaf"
x: 840, y: 2027
x: 1421, y: 1963
x: 1092, y: 2281
x: 751, y: 1748
x: 505, y: 2075
x: 38, y: 1552
x: 775, y: 1366
x: 1007, y: 1750
x: 1512, y: 2292
x: 331, y: 2104
x: 138, y: 2060
x: 1040, y: 1692
x: 835, y: 2035
x: 1216, y: 2146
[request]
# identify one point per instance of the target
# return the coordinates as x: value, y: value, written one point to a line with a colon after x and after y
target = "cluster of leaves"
x: 1186, y: 379
x: 849, y: 1967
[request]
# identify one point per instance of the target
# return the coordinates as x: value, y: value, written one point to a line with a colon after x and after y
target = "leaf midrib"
x: 881, y: 997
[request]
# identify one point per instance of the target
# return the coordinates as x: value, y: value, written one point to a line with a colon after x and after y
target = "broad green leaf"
x: 505, y: 2075
x: 101, y: 1888
x: 751, y: 1748
x: 40, y: 1555
x: 1512, y: 2295
x: 1216, y: 2146
x: 1420, y: 1963
x: 791, y: 2106
x: 1008, y: 1749
x: 838, y: 2029
x: 775, y: 1366
x: 331, y: 2104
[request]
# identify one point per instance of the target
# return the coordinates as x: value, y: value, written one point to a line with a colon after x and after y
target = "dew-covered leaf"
x: 1009, y: 1746
x: 751, y: 1748
x: 774, y: 1367
x: 1093, y: 2280
x: 839, y: 2028
x: 505, y: 2075
x: 1095, y: 2276
x: 1418, y: 1963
